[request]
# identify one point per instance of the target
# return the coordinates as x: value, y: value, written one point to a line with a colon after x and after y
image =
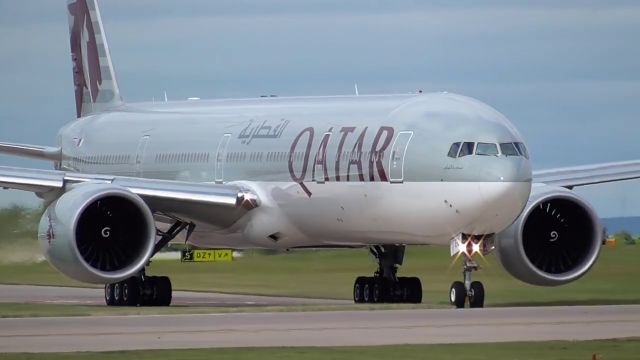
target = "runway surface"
x: 330, y: 328
x: 84, y: 296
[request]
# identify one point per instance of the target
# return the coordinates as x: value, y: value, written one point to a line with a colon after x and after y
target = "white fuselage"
x: 338, y: 171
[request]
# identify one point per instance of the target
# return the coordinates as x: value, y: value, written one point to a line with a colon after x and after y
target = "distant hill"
x: 615, y: 224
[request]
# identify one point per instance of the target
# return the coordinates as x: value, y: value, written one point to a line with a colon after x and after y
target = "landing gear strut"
x: 384, y: 286
x: 142, y: 290
x: 472, y: 290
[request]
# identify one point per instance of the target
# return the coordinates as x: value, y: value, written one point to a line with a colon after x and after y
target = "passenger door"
x: 221, y: 155
x: 396, y: 160
x: 142, y: 148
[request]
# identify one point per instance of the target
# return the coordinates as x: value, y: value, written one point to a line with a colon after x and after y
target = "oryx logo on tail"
x: 93, y: 77
x: 84, y: 54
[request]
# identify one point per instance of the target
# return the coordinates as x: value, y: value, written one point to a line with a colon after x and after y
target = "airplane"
x: 381, y: 172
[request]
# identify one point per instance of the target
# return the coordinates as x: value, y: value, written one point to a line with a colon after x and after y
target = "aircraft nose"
x: 503, y: 203
x: 512, y: 169
x: 504, y: 195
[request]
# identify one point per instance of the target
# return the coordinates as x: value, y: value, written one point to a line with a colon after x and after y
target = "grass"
x: 621, y: 349
x: 330, y: 274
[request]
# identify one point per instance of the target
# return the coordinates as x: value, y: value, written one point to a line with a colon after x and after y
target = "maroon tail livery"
x: 94, y: 80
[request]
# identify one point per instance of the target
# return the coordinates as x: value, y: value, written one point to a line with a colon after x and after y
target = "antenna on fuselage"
x: 356, y: 87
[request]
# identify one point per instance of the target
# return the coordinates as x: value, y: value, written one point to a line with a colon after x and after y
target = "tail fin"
x: 93, y: 76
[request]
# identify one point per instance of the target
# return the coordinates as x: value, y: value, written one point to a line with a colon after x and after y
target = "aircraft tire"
x: 415, y: 290
x: 148, y: 291
x: 457, y: 294
x: 377, y: 291
x: 163, y: 291
x: 108, y: 295
x: 405, y: 291
x: 131, y: 291
x: 368, y: 290
x: 117, y: 294
x: 358, y: 289
x: 476, y: 300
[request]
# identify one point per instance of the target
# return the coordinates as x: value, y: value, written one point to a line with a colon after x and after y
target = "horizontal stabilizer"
x: 31, y: 151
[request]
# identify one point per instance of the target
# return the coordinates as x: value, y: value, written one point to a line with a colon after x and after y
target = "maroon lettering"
x: 355, y: 157
x: 300, y: 179
x: 377, y: 154
x: 321, y: 156
x: 345, y: 131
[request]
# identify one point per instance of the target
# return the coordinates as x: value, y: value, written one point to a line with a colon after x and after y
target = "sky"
x: 567, y: 74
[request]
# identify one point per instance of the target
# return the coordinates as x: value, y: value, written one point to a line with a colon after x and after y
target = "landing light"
x: 469, y: 245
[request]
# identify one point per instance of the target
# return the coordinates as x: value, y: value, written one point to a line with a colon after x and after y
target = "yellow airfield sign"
x: 217, y: 255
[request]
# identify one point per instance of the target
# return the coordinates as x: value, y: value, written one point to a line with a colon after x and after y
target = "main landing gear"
x: 142, y: 290
x: 384, y: 286
x: 472, y: 290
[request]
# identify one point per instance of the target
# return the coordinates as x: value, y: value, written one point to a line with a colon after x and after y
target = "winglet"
x: 94, y: 79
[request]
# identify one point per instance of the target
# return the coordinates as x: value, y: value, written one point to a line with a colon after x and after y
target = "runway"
x: 330, y: 328
x: 84, y: 296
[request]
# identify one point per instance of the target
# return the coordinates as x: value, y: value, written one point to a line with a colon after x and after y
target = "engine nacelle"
x: 555, y: 240
x: 98, y: 233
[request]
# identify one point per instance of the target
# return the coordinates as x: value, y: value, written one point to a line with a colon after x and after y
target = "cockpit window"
x: 509, y: 149
x: 467, y: 149
x: 522, y: 149
x: 453, y: 150
x: 487, y: 149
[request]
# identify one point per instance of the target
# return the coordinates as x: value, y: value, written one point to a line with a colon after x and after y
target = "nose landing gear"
x: 467, y: 246
x: 471, y: 290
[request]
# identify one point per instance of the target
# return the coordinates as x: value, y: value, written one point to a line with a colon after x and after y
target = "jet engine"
x: 555, y: 240
x: 98, y: 233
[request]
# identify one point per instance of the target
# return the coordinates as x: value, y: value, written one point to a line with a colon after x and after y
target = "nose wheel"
x: 460, y: 292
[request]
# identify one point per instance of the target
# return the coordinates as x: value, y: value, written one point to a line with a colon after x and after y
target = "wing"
x: 570, y: 177
x: 219, y: 205
x: 32, y: 151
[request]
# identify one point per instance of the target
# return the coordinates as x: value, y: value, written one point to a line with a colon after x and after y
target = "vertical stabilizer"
x: 94, y: 80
